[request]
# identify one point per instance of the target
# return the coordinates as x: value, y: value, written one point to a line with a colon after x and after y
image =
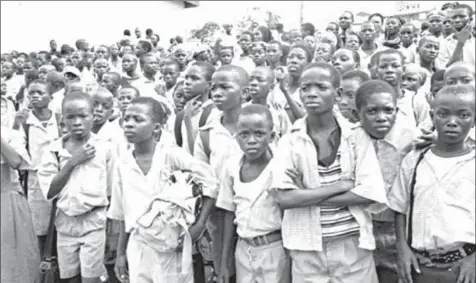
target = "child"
x: 437, y: 83
x: 327, y: 184
x: 22, y: 96
x: 258, y: 53
x: 125, y: 96
x: 77, y: 170
x: 179, y: 97
x: 111, y: 81
x: 261, y: 84
x: 353, y: 41
x: 8, y: 108
x: 351, y: 81
x: 244, y: 197
x: 413, y: 108
x: 460, y: 73
x: 101, y: 67
x: 428, y: 50
x: 414, y: 77
x: 41, y: 127
x: 245, y: 61
x: 20, y: 254
x: 129, y: 67
x: 44, y: 70
x: 376, y: 103
x: 216, y: 143
x: 432, y: 246
x: 170, y: 73
x: 226, y: 55
x: 140, y: 179
x: 345, y: 60
x: 324, y: 52
x: 407, y: 34
x: 372, y: 67
x: 369, y: 46
x: 180, y: 56
x: 274, y: 53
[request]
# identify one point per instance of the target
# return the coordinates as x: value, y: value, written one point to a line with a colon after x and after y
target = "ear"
x: 339, y: 92
x: 432, y: 114
x: 273, y: 135
x: 271, y: 87
x: 417, y: 49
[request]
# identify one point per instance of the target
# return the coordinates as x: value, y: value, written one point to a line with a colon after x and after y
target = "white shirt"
x: 449, y: 46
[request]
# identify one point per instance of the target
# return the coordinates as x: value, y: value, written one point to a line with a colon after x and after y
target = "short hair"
x: 308, y: 27
x: 149, y: 31
x: 372, y: 87
x: 39, y: 81
x: 146, y: 45
x: 356, y: 75
x: 156, y: 110
x: 242, y: 73
x: 456, y: 90
x: 257, y: 109
x: 460, y: 64
x: 351, y: 14
x: 115, y: 76
x: 179, y: 39
x: 277, y: 43
x: 77, y: 95
x: 425, y: 38
x: 261, y: 44
x: 248, y: 33
x: 127, y: 32
x: 390, y: 51
x: 220, y: 48
x: 279, y: 26
x: 335, y: 75
x: 410, y: 25
x: 376, y: 15
x: 335, y: 24
x: 304, y: 46
x: 467, y: 7
x: 170, y: 62
x: 439, y: 75
x: 206, y: 68
x: 355, y: 34
x: 146, y: 56
x: 128, y: 86
x: 449, y: 5
x: 355, y: 54
x: 32, y: 75
x: 47, y: 55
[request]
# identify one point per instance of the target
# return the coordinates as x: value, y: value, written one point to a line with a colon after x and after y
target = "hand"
x: 20, y: 118
x: 120, y: 269
x: 192, y: 107
x: 160, y: 89
x: 467, y: 273
x: 297, y: 177
x: 464, y: 34
x: 426, y: 138
x: 282, y: 87
x: 196, y: 231
x: 224, y: 276
x: 83, y: 154
x: 406, y: 259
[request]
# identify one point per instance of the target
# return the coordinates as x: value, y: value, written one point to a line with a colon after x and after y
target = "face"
x: 101, y: 67
x: 170, y: 74
x: 436, y: 25
x: 295, y: 37
x: 114, y: 50
x: 346, y: 101
x: 407, y: 34
x: 38, y: 96
x: 345, y: 20
x: 392, y: 26
x: 42, y: 73
x: 429, y: 50
x: 258, y: 54
x: 253, y: 134
x: 448, y: 26
x: 151, y: 65
x: 352, y: 42
x: 207, y: 41
x: 296, y: 61
x: 138, y: 124
x: 138, y: 33
x: 459, y: 76
x: 411, y: 81
x: 53, y: 45
x: 323, y: 52
x: 317, y: 92
x: 377, y: 22
x: 179, y: 98
x: 28, y: 66
x: 181, y: 57
x: 343, y: 60
x: 244, y: 42
x: 460, y: 18
x: 195, y: 82
x: 101, y: 52
x: 109, y: 83
x: 127, y: 49
x: 76, y: 59
x: 226, y: 90
x: 377, y: 115
x: 78, y: 118
x: 70, y: 79
x: 103, y: 105
x: 126, y: 95
x: 261, y: 84
x: 311, y: 40
x: 258, y: 35
x: 368, y: 32
x: 390, y: 69
x: 226, y: 56
x: 20, y: 63
x: 129, y: 63
x: 436, y: 86
x: 154, y: 40
x: 332, y: 28
x: 273, y: 53
x: 139, y: 50
x: 453, y: 117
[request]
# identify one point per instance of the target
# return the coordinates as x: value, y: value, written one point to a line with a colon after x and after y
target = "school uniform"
x: 222, y: 146
x: 81, y: 216
x: 449, y: 46
x: 411, y: 52
x: 276, y: 97
x: 413, y: 109
x: 131, y: 196
x: 7, y: 113
x: 245, y: 62
x: 14, y: 85
x: 259, y: 255
x: 329, y: 243
x: 113, y: 133
x: 282, y: 124
x: 443, y: 211
x: 365, y: 57
x: 57, y: 101
x: 40, y: 136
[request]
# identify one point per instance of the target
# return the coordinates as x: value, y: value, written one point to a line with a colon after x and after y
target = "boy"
x: 226, y: 54
x: 369, y: 46
x: 327, y: 184
x: 41, y: 127
x: 259, y: 255
x: 170, y: 73
x: 138, y: 181
x: 428, y: 50
x: 111, y: 81
x: 351, y: 81
x: 274, y: 52
x: 216, y: 143
x: 261, y: 85
x: 460, y: 73
x: 125, y: 96
x: 129, y: 68
x: 245, y: 61
x: 376, y: 103
x: 407, y: 34
x: 432, y: 245
x: 101, y: 67
x: 345, y: 60
x: 77, y: 170
x: 258, y: 53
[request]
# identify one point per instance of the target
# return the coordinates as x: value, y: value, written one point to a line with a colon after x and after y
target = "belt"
x: 265, y: 239
x: 451, y: 256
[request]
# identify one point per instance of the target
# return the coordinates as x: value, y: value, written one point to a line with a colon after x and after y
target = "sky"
x: 23, y: 27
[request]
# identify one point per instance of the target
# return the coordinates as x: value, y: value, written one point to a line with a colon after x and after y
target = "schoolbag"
x: 179, y: 119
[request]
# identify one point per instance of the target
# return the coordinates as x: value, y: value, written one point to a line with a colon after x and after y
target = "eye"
x: 464, y: 116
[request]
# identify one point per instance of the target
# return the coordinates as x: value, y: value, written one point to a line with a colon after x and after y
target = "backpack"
x: 179, y: 119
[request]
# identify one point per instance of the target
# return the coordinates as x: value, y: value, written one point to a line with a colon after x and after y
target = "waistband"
x: 265, y: 239
x: 448, y: 257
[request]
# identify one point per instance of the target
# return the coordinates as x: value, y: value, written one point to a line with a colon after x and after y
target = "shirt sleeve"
x: 116, y: 208
x: 445, y: 54
x: 225, y: 196
x: 284, y: 161
x: 47, y: 170
x: 199, y: 150
x: 284, y: 121
x: 201, y: 171
x: 398, y: 197
x: 421, y: 107
x: 111, y: 164
x: 18, y: 143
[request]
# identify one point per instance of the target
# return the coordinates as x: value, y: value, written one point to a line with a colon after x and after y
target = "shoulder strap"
x: 412, y: 197
x: 205, y: 114
x: 59, y: 122
x: 26, y: 128
x: 50, y: 242
x: 205, y: 136
x: 178, y: 128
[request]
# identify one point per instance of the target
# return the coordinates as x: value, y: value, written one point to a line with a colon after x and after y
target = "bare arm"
x: 123, y: 238
x: 190, y: 136
x: 228, y: 231
x: 13, y: 159
x: 60, y: 180
x: 347, y: 199
x: 457, y: 54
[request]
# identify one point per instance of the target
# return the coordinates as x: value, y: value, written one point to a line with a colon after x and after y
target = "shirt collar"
x: 57, y: 145
x: 300, y: 126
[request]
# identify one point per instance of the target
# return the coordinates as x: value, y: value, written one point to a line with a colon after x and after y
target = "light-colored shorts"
x: 40, y: 208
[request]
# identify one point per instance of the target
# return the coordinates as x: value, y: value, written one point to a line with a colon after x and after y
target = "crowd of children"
x: 276, y: 158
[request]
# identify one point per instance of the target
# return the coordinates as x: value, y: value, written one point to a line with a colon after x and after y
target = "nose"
x: 452, y: 122
x: 99, y: 107
x: 77, y: 122
x: 380, y: 117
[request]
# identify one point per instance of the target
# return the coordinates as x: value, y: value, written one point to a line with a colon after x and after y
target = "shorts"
x: 83, y: 255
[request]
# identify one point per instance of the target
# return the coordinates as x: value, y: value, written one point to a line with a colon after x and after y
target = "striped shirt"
x: 336, y: 221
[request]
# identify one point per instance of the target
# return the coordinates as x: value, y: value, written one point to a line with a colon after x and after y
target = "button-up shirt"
x: 449, y: 46
x: 301, y: 227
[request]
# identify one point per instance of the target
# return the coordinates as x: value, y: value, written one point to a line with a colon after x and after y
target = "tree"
x: 208, y: 29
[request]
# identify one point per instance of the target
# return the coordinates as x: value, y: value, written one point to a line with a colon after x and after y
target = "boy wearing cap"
x: 71, y: 75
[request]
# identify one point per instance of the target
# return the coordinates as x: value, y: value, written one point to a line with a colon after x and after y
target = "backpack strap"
x: 205, y: 136
x: 59, y: 123
x: 205, y: 114
x: 412, y: 195
x: 178, y: 128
